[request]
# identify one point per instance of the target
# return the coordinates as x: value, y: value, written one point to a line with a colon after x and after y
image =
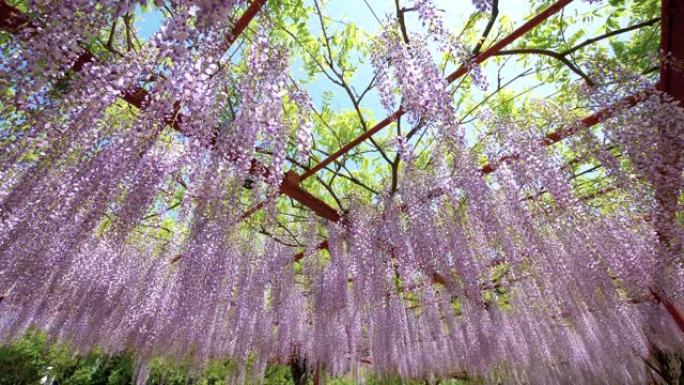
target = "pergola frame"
x: 671, y: 82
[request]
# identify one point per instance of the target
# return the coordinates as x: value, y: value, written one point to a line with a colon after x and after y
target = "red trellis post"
x: 670, y: 149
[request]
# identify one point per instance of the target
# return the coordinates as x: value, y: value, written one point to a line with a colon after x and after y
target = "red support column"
x: 670, y: 143
x: 670, y: 147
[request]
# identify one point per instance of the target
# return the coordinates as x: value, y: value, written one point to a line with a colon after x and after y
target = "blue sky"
x: 454, y: 13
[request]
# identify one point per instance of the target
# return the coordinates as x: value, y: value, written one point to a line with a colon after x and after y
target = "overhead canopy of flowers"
x: 192, y: 195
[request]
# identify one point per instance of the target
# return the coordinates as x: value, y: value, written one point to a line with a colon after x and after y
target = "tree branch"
x: 549, y: 53
x: 325, y: 35
x: 402, y: 21
x: 609, y: 34
x: 488, y: 28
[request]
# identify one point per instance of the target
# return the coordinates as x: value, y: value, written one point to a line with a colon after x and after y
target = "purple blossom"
x: 508, y: 276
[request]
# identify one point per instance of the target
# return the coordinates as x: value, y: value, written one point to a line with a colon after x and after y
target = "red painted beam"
x: 523, y: 29
x: 290, y: 187
x: 550, y: 139
x: 462, y: 70
x: 675, y: 313
x: 321, y: 246
x: 669, y: 146
x: 247, y: 16
x: 584, y: 123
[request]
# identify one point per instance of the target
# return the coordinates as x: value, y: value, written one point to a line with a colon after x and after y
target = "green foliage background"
x: 34, y: 360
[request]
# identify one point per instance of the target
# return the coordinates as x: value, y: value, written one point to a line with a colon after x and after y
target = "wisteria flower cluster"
x: 502, y: 276
x: 409, y: 66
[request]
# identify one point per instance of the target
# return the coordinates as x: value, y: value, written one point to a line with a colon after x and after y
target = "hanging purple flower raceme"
x: 53, y: 43
x: 259, y: 125
x: 509, y: 277
x: 428, y: 14
x: 420, y: 83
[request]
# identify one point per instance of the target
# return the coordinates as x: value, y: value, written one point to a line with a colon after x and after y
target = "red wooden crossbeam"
x: 462, y: 70
x: 584, y: 123
x: 672, y: 309
x: 672, y: 80
x: 290, y: 187
x: 549, y: 139
x: 321, y: 208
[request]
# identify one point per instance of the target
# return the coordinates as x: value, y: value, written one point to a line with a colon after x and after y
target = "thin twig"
x: 549, y: 53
